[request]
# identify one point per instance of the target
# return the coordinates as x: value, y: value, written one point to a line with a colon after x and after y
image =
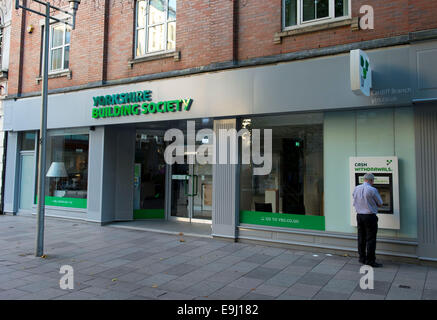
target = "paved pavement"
x: 112, y: 263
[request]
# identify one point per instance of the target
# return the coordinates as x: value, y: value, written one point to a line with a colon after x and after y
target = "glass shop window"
x: 291, y: 194
x: 27, y: 141
x: 67, y: 170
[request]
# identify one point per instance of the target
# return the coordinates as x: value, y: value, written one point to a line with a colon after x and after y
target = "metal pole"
x: 42, y: 141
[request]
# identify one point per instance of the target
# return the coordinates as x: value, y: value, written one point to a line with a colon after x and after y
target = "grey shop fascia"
x: 135, y: 104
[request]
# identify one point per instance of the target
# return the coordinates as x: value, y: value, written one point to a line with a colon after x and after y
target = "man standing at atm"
x: 366, y: 203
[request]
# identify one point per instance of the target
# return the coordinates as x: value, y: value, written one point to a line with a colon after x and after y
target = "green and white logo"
x: 364, y: 66
x: 360, y: 72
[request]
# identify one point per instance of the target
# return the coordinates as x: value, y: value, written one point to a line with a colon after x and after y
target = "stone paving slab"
x: 330, y: 295
x: 303, y: 290
x: 366, y: 296
x: 269, y: 290
x: 116, y: 264
x: 203, y: 288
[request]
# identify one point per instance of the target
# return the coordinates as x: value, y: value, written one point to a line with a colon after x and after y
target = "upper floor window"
x: 59, y: 58
x: 302, y: 12
x: 155, y: 26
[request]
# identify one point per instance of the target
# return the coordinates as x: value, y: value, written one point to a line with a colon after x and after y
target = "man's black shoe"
x: 375, y: 265
x: 362, y: 261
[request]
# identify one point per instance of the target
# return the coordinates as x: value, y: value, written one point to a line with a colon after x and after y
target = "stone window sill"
x: 353, y: 23
x: 60, y: 74
x: 176, y: 55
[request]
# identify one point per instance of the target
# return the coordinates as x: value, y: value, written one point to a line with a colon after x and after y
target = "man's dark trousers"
x: 367, y: 229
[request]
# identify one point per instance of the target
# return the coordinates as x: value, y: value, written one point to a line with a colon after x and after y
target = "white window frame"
x: 1, y: 44
x: 301, y: 24
x: 146, y: 29
x: 63, y: 46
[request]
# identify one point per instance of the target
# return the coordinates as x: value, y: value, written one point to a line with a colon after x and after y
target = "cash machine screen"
x: 384, y: 183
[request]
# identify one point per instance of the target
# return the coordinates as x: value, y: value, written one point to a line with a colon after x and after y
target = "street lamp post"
x: 74, y: 4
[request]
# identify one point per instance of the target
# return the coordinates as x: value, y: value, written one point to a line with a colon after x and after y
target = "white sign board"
x: 385, y: 170
x: 360, y: 72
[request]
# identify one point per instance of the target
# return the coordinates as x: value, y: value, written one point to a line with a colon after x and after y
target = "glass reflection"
x: 156, y: 12
x: 171, y: 36
x: 156, y: 37
x: 141, y: 13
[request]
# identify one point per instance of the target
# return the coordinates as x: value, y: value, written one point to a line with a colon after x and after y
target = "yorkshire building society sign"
x: 361, y: 73
x: 385, y: 170
x: 135, y: 104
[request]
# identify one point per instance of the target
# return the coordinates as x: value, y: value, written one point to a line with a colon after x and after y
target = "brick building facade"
x: 208, y: 33
x: 252, y: 64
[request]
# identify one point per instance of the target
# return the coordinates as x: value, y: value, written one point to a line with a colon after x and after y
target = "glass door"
x: 191, y: 192
x: 202, y: 198
x: 27, y: 169
x: 180, y: 195
x: 150, y: 175
x: 191, y: 182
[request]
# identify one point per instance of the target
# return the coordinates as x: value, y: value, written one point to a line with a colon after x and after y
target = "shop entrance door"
x: 191, y: 193
x: 149, y: 175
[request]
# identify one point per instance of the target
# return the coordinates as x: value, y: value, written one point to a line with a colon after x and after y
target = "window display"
x: 67, y: 170
x: 291, y: 195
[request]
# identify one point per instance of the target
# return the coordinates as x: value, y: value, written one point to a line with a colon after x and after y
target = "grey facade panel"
x: 330, y: 243
x: 424, y: 67
x: 125, y: 157
x: 426, y: 166
x: 95, y: 174
x: 109, y: 175
x: 314, y: 84
x: 117, y: 170
x: 224, y: 208
x: 324, y: 83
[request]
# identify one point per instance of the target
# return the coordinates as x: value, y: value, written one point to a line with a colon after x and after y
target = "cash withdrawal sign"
x: 385, y: 170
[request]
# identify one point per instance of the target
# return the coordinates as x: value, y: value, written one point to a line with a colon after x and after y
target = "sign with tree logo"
x: 360, y: 72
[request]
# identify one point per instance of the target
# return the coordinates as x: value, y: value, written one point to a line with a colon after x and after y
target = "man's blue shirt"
x: 366, y: 199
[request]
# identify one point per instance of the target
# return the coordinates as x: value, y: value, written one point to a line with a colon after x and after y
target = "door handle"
x: 194, y: 185
x: 186, y: 185
x: 195, y: 188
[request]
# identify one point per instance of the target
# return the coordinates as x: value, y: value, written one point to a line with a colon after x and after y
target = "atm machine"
x: 385, y: 170
x: 384, y: 183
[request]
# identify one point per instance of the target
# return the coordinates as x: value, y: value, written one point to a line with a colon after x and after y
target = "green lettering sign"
x: 134, y: 104
x: 283, y: 220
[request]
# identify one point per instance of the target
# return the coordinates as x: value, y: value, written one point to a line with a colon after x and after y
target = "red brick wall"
x: 259, y: 21
x: 85, y: 54
x: 204, y: 35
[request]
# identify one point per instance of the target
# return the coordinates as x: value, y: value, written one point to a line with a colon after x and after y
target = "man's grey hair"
x: 369, y: 176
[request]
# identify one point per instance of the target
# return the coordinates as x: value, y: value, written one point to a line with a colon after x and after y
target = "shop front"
x: 108, y: 151
x: 309, y: 188
x: 178, y: 191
